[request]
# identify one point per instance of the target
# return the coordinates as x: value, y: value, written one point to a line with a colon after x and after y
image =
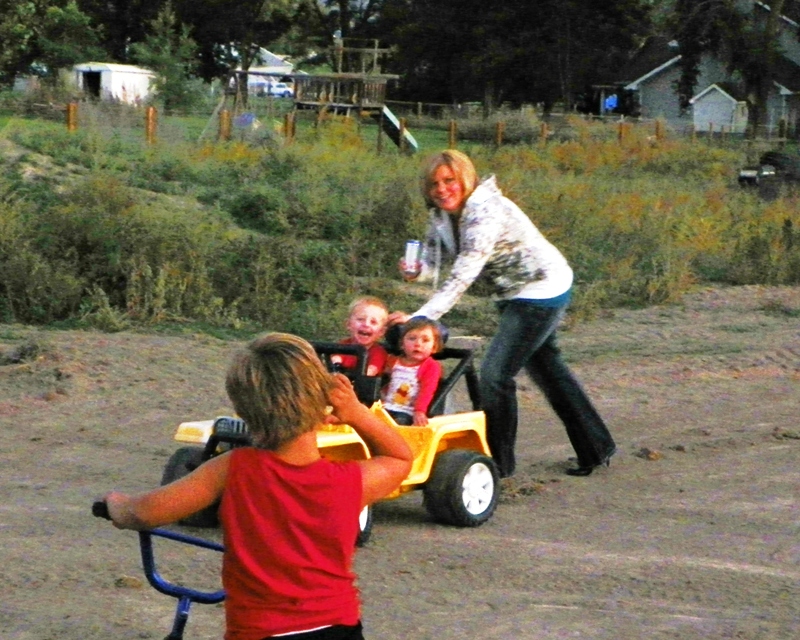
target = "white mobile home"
x: 117, y: 82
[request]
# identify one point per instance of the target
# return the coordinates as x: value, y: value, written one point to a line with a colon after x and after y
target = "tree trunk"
x: 758, y: 114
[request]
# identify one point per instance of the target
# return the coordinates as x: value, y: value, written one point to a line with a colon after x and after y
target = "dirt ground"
x: 693, y: 531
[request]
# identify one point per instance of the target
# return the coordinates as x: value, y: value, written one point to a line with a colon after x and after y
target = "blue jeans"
x: 526, y: 338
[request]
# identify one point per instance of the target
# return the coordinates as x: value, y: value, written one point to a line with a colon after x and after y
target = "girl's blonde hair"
x: 279, y: 386
x: 459, y: 163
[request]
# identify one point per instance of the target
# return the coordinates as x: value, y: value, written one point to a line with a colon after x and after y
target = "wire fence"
x: 278, y: 121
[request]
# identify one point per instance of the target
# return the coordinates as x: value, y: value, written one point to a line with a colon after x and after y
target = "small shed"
x: 116, y: 82
x: 719, y: 106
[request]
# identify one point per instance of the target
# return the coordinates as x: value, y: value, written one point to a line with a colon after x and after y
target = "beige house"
x: 719, y: 108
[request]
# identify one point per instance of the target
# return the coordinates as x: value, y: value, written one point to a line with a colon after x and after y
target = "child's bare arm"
x: 171, y: 502
x: 391, y: 456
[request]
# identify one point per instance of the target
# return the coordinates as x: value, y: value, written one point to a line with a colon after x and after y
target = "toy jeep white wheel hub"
x: 478, y: 488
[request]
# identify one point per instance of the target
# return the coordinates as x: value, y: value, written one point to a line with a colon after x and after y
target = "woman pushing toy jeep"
x: 485, y: 232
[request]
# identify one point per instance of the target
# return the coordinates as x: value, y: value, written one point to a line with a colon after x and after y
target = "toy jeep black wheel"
x: 463, y: 488
x: 364, y: 526
x: 182, y: 463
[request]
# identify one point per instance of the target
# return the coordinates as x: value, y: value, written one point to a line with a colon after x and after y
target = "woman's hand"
x: 409, y: 272
x: 398, y: 317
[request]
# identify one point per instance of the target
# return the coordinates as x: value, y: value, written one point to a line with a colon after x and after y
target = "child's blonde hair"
x: 279, y: 386
x: 367, y: 301
x: 421, y: 322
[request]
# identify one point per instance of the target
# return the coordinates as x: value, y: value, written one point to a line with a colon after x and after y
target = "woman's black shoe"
x: 587, y: 471
x: 580, y: 471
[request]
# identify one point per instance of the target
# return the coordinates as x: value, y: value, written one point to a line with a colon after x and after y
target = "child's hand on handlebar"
x: 117, y: 508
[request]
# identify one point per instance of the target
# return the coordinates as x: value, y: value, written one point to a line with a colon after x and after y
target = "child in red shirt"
x: 414, y: 375
x: 289, y: 516
x: 366, y: 325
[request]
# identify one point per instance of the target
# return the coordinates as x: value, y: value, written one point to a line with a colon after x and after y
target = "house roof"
x: 266, y: 58
x: 790, y: 12
x: 656, y: 54
x: 267, y: 71
x: 786, y: 74
x: 113, y: 67
x: 727, y: 89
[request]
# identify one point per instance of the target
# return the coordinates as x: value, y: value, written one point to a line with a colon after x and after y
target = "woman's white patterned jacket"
x: 497, y: 238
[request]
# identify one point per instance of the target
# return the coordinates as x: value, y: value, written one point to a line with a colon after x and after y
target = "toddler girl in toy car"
x: 414, y: 375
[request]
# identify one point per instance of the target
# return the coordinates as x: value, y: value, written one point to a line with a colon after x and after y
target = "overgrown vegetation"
x: 100, y: 230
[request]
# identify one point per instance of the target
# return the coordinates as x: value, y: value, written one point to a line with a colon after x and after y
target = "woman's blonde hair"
x: 279, y: 386
x: 459, y: 163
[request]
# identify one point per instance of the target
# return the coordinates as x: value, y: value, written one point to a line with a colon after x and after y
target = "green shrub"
x: 284, y: 237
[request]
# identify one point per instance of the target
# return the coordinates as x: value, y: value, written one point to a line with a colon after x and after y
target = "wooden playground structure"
x: 357, y: 89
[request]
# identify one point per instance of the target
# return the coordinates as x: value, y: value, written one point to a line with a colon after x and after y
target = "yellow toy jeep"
x: 452, y: 464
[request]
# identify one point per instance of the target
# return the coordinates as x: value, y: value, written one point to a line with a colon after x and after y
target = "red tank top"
x: 289, y: 535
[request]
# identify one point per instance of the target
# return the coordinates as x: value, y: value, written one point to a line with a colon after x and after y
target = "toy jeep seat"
x: 368, y: 388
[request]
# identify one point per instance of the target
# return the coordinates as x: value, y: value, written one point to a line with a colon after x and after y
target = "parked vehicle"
x: 775, y: 171
x: 279, y: 89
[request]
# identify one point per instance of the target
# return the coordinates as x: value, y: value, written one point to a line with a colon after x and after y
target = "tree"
x: 230, y: 32
x: 460, y: 50
x: 747, y: 44
x: 18, y: 24
x: 66, y: 38
x: 123, y: 21
x: 169, y: 51
x: 50, y: 34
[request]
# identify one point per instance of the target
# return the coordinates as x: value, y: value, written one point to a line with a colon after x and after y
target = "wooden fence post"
x: 543, y: 133
x: 224, y: 125
x: 498, y: 134
x: 287, y: 127
x: 379, y: 141
x: 402, y: 145
x: 451, y: 134
x: 318, y: 120
x: 150, y: 125
x: 72, y: 116
x: 659, y: 130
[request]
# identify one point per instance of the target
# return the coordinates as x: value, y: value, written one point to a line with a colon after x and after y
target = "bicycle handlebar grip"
x: 100, y: 510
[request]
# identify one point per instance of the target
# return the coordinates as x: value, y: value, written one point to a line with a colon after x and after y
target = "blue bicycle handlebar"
x: 100, y: 510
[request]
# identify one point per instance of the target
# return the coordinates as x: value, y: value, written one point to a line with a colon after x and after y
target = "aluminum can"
x: 413, y: 256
